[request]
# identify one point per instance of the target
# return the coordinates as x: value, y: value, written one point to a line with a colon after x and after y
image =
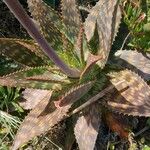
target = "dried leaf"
x: 31, y: 97
x: 87, y: 127
x: 23, y: 51
x: 116, y: 124
x: 22, y: 79
x: 133, y: 100
x: 71, y: 18
x: 74, y: 94
x: 136, y: 59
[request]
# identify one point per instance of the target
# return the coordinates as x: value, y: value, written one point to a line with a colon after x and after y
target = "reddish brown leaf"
x: 116, y: 124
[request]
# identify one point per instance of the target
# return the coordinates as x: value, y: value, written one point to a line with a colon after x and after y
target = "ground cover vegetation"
x: 80, y: 80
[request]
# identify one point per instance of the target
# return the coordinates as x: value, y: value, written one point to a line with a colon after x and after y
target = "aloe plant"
x: 71, y: 77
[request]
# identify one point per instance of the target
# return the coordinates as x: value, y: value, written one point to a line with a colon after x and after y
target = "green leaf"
x: 35, y: 78
x: 148, y: 122
x: 49, y: 21
x: 50, y: 2
x: 74, y: 94
x: 146, y: 27
x: 23, y: 51
x: 71, y: 18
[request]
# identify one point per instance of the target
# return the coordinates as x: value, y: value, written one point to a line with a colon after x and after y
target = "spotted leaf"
x: 24, y: 79
x: 31, y: 125
x: 41, y: 119
x: 87, y: 127
x: 79, y: 44
x: 107, y: 24
x: 132, y: 100
x: 136, y: 59
x: 74, y: 94
x: 103, y: 19
x: 100, y: 10
x: 91, y: 60
x: 31, y: 97
x: 49, y: 21
x: 71, y: 18
x: 23, y: 51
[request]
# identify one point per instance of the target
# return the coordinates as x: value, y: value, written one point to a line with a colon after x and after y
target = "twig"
x: 125, y: 40
x: 84, y: 8
x: 53, y: 143
x: 141, y: 131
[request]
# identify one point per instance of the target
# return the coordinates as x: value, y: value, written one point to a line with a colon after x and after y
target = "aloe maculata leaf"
x: 133, y: 100
x: 71, y: 18
x: 90, y: 22
x: 97, y: 11
x: 24, y: 79
x: 91, y: 60
x: 51, y: 24
x: 107, y: 25
x: 43, y: 117
x: 105, y: 17
x: 23, y: 51
x: 87, y: 127
x: 49, y: 21
x: 136, y: 59
x: 31, y: 125
x: 79, y: 44
x: 31, y: 97
x: 74, y: 94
